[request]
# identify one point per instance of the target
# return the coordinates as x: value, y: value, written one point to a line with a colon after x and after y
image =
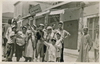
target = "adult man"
x: 85, y: 46
x: 64, y: 34
x: 5, y: 39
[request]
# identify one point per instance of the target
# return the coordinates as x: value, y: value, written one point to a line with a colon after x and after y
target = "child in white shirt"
x: 51, y: 50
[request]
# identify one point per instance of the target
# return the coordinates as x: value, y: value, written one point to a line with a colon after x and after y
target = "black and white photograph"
x: 50, y: 31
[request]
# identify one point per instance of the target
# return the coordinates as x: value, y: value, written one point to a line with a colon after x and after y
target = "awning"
x: 60, y: 4
x: 57, y: 12
x: 42, y: 13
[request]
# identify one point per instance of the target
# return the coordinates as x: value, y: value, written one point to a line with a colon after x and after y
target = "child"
x: 39, y: 42
x: 48, y: 36
x: 58, y: 46
x: 29, y: 47
x: 20, y: 43
x: 51, y: 50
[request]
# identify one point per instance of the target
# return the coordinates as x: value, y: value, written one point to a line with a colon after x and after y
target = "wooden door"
x: 72, y: 28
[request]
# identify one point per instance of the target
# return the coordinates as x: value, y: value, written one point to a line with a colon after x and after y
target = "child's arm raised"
x: 57, y: 46
x: 45, y: 43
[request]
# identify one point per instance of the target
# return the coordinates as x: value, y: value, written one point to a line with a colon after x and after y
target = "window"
x: 92, y: 23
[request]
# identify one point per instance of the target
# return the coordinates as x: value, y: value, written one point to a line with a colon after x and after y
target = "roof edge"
x: 16, y: 3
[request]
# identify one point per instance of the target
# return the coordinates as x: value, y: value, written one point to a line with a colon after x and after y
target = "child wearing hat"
x: 49, y: 35
x: 39, y: 42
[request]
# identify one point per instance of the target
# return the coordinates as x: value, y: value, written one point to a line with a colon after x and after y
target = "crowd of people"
x: 40, y: 42
x: 34, y: 42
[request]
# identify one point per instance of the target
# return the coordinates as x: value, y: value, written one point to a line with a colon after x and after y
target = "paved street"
x: 69, y: 56
x: 72, y: 55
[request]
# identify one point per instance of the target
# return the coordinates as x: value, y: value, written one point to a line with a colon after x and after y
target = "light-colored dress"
x: 29, y: 49
x: 84, y: 48
x: 58, y: 46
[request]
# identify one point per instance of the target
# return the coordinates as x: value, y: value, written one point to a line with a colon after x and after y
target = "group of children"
x: 31, y: 42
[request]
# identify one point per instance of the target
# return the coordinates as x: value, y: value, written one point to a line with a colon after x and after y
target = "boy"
x: 10, y: 44
x: 51, y: 50
x: 64, y: 34
x: 39, y: 42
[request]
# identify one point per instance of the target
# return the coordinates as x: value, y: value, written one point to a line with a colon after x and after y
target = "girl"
x: 29, y: 47
x: 59, y: 46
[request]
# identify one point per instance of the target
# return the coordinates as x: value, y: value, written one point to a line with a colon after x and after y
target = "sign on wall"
x: 33, y: 9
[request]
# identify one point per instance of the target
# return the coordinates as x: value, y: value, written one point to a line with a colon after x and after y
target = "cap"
x: 49, y: 27
x: 41, y: 25
x: 61, y: 22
